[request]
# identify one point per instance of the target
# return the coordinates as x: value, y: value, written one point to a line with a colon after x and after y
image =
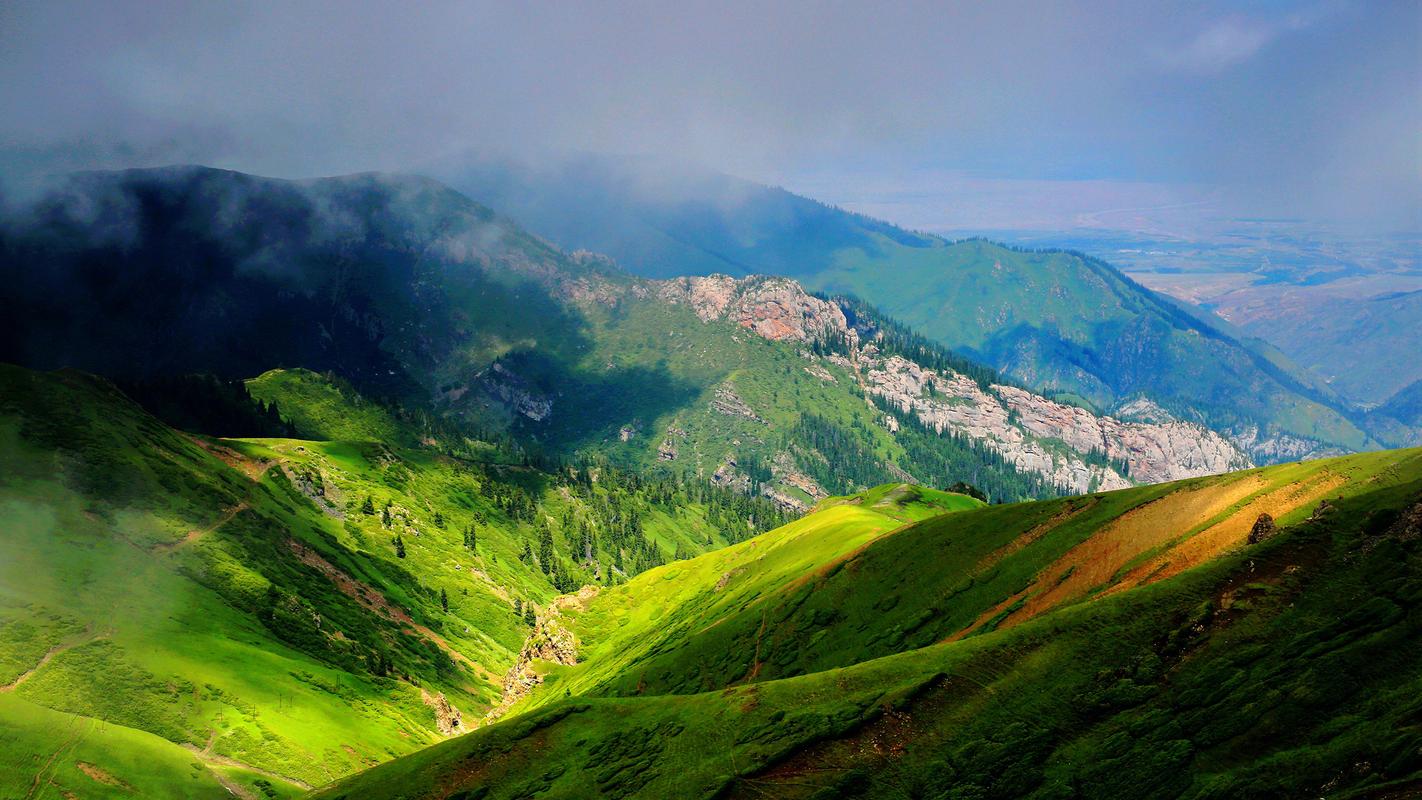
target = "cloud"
x: 1012, y: 90
x: 1225, y: 42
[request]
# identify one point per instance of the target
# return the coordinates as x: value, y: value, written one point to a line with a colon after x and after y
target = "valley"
x: 710, y: 401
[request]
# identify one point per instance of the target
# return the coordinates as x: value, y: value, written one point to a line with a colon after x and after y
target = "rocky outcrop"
x: 946, y: 401
x: 777, y: 309
x: 1269, y: 448
x: 1264, y: 528
x: 1068, y: 446
x: 447, y: 718
x: 1154, y: 452
x: 727, y: 476
x: 550, y: 642
x: 516, y: 393
x: 727, y: 402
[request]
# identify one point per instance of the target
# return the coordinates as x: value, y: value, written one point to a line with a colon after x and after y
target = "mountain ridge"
x: 416, y: 293
x: 1104, y: 355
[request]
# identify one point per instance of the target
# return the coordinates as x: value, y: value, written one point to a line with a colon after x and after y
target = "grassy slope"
x: 188, y: 590
x: 1269, y: 670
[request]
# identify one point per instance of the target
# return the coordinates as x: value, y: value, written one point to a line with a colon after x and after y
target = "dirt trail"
x: 252, y: 468
x: 987, y: 615
x: 194, y: 535
x: 1032, y: 535
x: 79, y: 727
x: 224, y: 761
x: 68, y: 644
x: 374, y: 601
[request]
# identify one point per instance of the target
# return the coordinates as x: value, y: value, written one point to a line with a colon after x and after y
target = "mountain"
x: 421, y: 297
x: 185, y: 616
x: 1059, y: 322
x: 1245, y: 635
x: 1402, y: 413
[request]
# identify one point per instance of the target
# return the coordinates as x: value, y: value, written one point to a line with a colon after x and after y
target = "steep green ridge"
x: 1067, y: 323
x: 1069, y: 648
x: 180, y: 613
x: 1056, y: 321
x: 411, y: 294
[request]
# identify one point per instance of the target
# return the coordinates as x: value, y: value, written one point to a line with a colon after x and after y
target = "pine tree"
x: 545, y: 550
x: 443, y: 599
x: 518, y: 607
x: 528, y: 615
x: 439, y: 520
x: 399, y: 546
x: 368, y: 507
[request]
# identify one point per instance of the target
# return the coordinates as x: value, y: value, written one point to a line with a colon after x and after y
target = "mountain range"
x: 190, y: 616
x: 1059, y: 322
x: 415, y: 294
x: 356, y: 488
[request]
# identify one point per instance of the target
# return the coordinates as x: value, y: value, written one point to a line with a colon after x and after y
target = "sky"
x: 933, y: 113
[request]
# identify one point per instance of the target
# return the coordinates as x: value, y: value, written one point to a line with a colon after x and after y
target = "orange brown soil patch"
x: 97, y: 773
x: 1231, y: 532
x: 251, y: 467
x: 1094, y: 561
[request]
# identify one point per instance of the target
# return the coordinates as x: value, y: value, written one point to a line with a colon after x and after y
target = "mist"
x: 1305, y: 109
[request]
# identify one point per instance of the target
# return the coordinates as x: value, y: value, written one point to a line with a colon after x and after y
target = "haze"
x: 937, y: 115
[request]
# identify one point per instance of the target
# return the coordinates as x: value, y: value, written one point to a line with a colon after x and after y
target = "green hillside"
x: 1166, y: 641
x: 180, y: 613
x: 407, y: 293
x: 1056, y: 321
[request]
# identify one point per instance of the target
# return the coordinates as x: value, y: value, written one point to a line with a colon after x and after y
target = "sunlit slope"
x: 629, y: 633
x: 168, y: 600
x: 722, y: 619
x: 1284, y: 668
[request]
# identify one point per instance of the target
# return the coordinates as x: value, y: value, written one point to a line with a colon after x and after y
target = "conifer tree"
x: 545, y: 550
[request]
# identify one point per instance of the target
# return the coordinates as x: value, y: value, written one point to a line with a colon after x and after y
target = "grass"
x: 231, y: 597
x: 1271, y: 670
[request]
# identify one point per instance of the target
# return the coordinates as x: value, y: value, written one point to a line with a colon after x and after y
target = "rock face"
x: 550, y: 642
x: 447, y: 717
x: 777, y: 309
x: 1271, y: 447
x: 1155, y: 452
x: 1263, y: 529
x: 1068, y: 446
x: 727, y: 402
x: 513, y: 391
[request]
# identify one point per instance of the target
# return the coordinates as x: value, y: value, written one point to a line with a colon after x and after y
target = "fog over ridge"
x: 1268, y: 108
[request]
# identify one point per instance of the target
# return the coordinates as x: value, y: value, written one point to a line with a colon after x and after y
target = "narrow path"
x: 69, y: 644
x: 77, y: 731
x: 194, y: 535
x: 224, y: 761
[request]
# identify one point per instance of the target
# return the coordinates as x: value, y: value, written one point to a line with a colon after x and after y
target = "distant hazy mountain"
x: 1057, y: 321
x: 414, y: 293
